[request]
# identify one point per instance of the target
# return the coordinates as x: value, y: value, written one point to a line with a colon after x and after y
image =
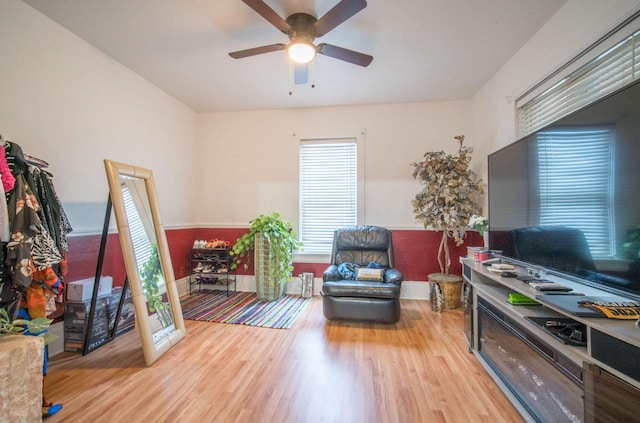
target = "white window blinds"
x: 328, y: 191
x: 576, y: 183
x: 610, y: 70
x: 141, y: 244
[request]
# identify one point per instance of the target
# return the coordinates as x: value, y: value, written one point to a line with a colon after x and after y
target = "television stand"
x: 591, y: 378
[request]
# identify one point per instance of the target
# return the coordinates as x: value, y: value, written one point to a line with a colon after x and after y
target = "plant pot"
x: 267, y: 287
x: 446, y: 291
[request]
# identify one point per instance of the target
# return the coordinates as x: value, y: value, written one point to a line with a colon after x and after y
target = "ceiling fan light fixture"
x: 301, y: 52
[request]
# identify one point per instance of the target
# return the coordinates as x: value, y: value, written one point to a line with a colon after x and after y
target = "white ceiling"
x: 424, y: 50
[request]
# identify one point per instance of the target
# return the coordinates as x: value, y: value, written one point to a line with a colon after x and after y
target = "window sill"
x: 311, y: 258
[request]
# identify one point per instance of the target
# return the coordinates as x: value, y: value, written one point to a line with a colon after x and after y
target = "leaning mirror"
x: 146, y: 257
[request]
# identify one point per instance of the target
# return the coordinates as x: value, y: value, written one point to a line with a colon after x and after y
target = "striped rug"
x: 243, y: 308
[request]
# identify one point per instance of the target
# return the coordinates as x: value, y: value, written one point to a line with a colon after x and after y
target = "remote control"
x: 549, y: 286
x: 490, y: 261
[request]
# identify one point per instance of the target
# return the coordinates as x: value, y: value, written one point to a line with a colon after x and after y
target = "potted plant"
x: 446, y: 202
x: 480, y: 224
x: 151, y: 275
x: 273, y: 241
x: 36, y: 327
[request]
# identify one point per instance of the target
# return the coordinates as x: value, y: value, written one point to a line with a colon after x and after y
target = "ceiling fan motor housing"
x: 302, y: 27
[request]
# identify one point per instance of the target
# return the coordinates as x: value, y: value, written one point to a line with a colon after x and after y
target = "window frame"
x: 359, y: 137
x: 610, y: 63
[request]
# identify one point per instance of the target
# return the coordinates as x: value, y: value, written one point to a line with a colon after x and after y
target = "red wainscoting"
x: 415, y: 253
x: 83, y: 258
x: 181, y: 240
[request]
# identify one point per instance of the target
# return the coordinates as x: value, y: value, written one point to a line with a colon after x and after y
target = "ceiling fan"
x: 302, y: 29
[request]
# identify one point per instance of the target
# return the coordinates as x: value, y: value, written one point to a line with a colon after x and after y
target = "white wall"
x: 250, y: 159
x: 69, y: 104
x: 573, y: 28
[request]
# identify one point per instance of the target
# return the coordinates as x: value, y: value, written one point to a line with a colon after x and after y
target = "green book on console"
x: 521, y: 299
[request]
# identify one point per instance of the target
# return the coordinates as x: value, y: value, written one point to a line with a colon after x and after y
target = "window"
x: 610, y: 65
x: 328, y: 190
x: 575, y: 184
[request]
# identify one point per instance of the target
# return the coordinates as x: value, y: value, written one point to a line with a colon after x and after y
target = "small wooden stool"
x: 446, y: 291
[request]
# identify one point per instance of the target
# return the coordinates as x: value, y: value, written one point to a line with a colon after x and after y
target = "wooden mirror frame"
x: 153, y: 349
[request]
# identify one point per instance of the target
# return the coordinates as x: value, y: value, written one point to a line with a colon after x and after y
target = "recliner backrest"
x: 362, y: 245
x: 558, y: 247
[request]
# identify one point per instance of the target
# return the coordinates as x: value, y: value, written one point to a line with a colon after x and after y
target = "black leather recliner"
x: 364, y: 299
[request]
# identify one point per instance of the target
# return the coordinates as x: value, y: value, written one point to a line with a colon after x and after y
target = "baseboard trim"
x: 411, y: 290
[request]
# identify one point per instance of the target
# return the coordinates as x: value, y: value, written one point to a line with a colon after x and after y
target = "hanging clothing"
x: 15, y: 158
x: 51, y: 212
x: 8, y: 180
x: 48, y: 280
x: 5, y: 230
x: 24, y: 225
x: 36, y: 301
x: 44, y: 251
x: 38, y: 225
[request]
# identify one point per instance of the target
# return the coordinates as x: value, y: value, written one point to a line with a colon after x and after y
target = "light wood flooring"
x: 318, y: 371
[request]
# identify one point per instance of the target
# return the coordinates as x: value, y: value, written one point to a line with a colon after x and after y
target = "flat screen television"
x: 567, y: 197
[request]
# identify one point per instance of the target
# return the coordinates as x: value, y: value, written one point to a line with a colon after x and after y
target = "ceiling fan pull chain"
x: 291, y: 76
x: 313, y: 73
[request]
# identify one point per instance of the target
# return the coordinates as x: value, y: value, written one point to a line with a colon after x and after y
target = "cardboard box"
x: 82, y: 290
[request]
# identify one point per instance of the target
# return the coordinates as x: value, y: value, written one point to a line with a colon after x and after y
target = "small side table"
x: 446, y: 291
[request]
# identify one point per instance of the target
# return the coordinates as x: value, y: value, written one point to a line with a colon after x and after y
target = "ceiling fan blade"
x: 257, y: 50
x: 340, y: 13
x: 301, y: 73
x: 268, y: 13
x: 340, y: 53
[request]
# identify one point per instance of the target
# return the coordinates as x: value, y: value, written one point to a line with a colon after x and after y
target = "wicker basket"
x: 446, y: 291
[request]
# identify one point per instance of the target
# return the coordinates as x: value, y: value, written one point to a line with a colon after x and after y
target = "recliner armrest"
x: 393, y: 275
x: 331, y: 274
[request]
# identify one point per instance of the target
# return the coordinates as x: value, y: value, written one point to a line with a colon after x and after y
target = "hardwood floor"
x: 318, y: 371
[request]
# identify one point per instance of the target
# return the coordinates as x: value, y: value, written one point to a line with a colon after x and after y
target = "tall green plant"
x: 151, y: 275
x: 282, y: 243
x: 448, y: 197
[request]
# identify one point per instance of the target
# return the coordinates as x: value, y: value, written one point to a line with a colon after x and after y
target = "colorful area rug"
x: 243, y: 308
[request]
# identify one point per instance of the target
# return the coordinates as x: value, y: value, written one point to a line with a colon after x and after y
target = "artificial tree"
x: 448, y: 197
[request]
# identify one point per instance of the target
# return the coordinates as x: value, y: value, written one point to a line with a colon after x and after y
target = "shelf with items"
x: 211, y: 266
